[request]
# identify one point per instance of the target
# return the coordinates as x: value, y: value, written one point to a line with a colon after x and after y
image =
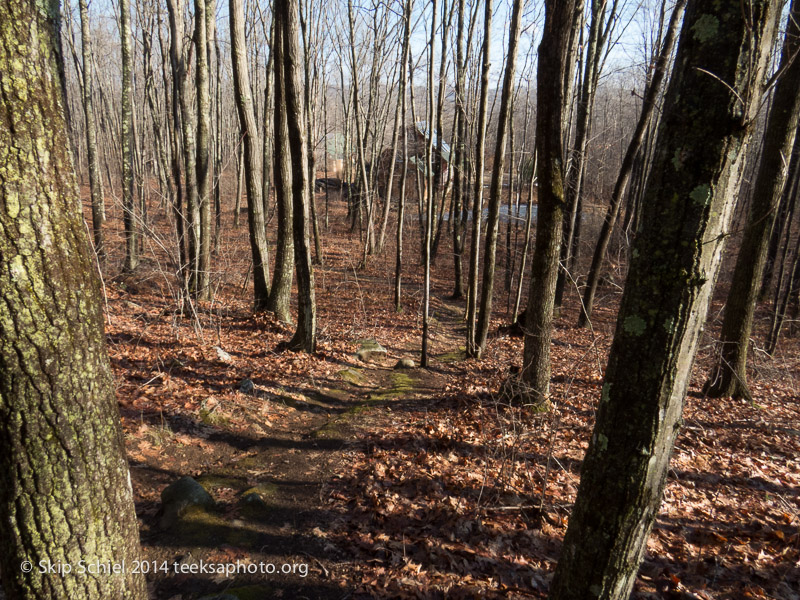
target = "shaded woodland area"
x: 445, y: 299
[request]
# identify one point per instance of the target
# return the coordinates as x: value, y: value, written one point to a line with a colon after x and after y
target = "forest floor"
x: 353, y: 479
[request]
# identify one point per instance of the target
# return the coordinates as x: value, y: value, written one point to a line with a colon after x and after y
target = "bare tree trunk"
x: 281, y: 293
x: 598, y: 37
x: 525, y: 244
x: 203, y: 27
x: 128, y: 204
x: 729, y: 377
x: 496, y: 189
x: 782, y: 220
x: 287, y: 18
x: 252, y: 157
x: 429, y: 196
x: 676, y: 257
x: 648, y: 106
x: 554, y: 60
x: 95, y: 182
x: 237, y: 208
x: 182, y: 99
x: 65, y: 492
x: 477, y: 203
x: 402, y: 201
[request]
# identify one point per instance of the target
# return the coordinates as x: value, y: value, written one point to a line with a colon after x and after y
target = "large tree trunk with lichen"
x: 65, y: 492
x: 287, y: 20
x: 555, y: 57
x: 709, y: 109
x: 729, y: 377
x: 626, y: 169
x: 252, y: 157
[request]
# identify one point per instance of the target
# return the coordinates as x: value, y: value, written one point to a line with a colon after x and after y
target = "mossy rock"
x: 405, y: 363
x: 352, y: 376
x: 180, y: 496
x: 212, y: 482
x: 331, y: 430
x: 253, y: 505
x: 454, y: 356
x: 210, y: 417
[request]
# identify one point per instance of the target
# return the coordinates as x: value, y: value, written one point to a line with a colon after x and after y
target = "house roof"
x: 422, y: 128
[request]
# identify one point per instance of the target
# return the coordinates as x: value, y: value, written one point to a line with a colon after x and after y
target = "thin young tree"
x: 555, y: 57
x: 287, y: 17
x: 128, y: 203
x: 496, y: 186
x: 405, y: 57
x: 95, y: 181
x: 603, y: 19
x: 709, y: 111
x: 65, y: 493
x: 252, y: 157
x: 204, y: 19
x: 459, y: 152
x: 281, y: 292
x: 477, y: 200
x: 184, y: 114
x: 729, y: 376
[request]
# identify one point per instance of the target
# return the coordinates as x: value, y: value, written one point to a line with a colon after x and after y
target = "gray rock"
x: 253, y: 504
x: 352, y: 376
x: 370, y: 350
x: 223, y: 356
x: 405, y: 363
x: 246, y: 386
x: 180, y: 495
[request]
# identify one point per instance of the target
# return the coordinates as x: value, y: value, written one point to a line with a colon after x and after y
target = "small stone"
x: 369, y: 350
x: 223, y: 356
x: 405, y: 363
x: 246, y: 386
x: 254, y: 500
x: 180, y: 495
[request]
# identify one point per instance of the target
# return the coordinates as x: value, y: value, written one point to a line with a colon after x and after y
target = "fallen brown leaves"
x: 449, y: 492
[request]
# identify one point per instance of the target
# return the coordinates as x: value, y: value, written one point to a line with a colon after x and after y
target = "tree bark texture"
x: 187, y: 121
x: 281, y: 293
x: 709, y: 110
x: 204, y: 17
x: 477, y: 205
x: 252, y: 157
x: 95, y: 182
x: 555, y: 57
x: 729, y: 377
x: 287, y: 17
x: 612, y: 213
x: 128, y: 204
x: 65, y: 492
x: 496, y: 186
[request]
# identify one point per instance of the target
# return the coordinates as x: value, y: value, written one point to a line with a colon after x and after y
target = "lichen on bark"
x: 65, y: 491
